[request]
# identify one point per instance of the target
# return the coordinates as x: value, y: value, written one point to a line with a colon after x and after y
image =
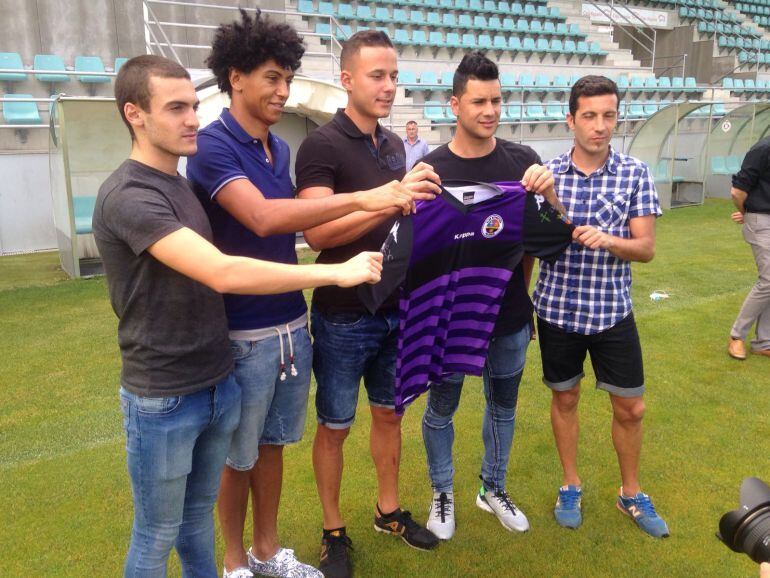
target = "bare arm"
x: 353, y: 226
x: 190, y: 254
x: 640, y: 247
x: 739, y: 198
x: 527, y: 264
x: 267, y: 217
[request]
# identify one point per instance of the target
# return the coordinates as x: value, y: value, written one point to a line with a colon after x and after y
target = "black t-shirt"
x: 172, y: 331
x: 339, y: 156
x: 754, y: 177
x: 507, y: 162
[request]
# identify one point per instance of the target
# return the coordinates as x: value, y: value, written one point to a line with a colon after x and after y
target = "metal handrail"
x: 66, y: 72
x: 636, y: 27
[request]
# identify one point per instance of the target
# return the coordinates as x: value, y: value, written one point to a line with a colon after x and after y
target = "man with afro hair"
x: 241, y: 175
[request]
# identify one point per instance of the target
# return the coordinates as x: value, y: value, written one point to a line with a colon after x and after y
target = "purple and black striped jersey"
x: 453, y: 260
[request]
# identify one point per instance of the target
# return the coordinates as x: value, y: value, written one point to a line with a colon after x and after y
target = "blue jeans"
x: 347, y: 347
x: 502, y: 375
x: 272, y: 411
x: 176, y: 448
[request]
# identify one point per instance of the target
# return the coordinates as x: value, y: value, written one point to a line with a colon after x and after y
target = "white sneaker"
x: 441, y: 515
x: 500, y: 505
x: 283, y: 565
x: 240, y: 572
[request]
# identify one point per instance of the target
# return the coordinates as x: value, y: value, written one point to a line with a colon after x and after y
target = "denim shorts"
x: 272, y: 411
x: 347, y: 347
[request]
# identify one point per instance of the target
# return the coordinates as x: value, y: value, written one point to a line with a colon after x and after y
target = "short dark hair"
x: 360, y: 39
x: 133, y: 81
x: 248, y: 44
x: 591, y: 85
x: 474, y: 65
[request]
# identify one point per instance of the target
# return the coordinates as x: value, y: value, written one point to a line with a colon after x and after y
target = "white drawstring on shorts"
x: 293, y: 369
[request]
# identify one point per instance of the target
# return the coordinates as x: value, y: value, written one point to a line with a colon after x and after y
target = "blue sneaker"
x: 641, y: 510
x: 568, y: 507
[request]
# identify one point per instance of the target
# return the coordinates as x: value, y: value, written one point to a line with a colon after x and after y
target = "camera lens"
x: 747, y: 529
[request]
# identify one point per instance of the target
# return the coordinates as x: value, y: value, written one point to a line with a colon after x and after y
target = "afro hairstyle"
x: 248, y: 44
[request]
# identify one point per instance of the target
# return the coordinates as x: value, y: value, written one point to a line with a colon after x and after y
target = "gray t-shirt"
x: 172, y: 330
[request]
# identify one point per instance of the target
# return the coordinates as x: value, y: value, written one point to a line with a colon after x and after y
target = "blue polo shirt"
x: 226, y: 152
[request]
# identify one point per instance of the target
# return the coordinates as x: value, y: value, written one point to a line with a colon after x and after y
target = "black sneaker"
x: 400, y: 523
x: 335, y: 559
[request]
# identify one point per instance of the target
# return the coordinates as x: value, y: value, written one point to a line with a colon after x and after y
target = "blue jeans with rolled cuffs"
x: 176, y: 448
x: 501, y: 376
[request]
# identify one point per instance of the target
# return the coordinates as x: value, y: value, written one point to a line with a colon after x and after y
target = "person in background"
x: 415, y: 147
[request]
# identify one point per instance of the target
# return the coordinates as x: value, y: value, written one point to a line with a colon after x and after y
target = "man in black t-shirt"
x: 351, y: 153
x: 751, y: 195
x: 180, y: 401
x: 475, y: 154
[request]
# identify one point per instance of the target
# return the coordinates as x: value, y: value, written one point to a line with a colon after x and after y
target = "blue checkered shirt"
x: 588, y: 291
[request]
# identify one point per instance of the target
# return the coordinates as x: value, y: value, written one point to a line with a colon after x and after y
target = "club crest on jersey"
x: 492, y: 226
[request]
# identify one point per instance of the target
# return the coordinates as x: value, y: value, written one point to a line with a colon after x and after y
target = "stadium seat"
x: 434, y: 112
x: 50, y: 62
x: 557, y: 47
x: 90, y: 64
x: 323, y: 28
x: 719, y: 165
x: 514, y: 44
x: 650, y: 84
x: 542, y: 45
x: 635, y: 110
x: 12, y: 60
x: 436, y: 38
x: 733, y: 164
x: 419, y: 38
x: 326, y: 9
x: 543, y: 82
x: 407, y: 79
x: 83, y: 208
x: 690, y: 85
x: 306, y: 7
x: 464, y: 21
x: 500, y: 43
x: 429, y: 80
x: 447, y: 78
x: 469, y: 40
x: 534, y: 111
x: 401, y: 37
x: 453, y: 40
x: 526, y: 82
x: 120, y: 61
x: 554, y: 111
x: 485, y: 41
x: 508, y: 81
x: 449, y: 21
x: 21, y: 112
x: 570, y: 47
x: 433, y: 19
x: 346, y: 12
x: 364, y: 14
x: 513, y: 112
x: 416, y: 18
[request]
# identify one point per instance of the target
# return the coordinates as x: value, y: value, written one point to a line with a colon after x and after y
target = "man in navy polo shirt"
x: 241, y: 176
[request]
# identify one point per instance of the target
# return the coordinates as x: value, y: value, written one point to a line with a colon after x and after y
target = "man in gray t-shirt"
x: 179, y: 399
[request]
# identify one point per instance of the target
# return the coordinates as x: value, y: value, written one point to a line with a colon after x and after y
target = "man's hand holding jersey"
x: 539, y: 180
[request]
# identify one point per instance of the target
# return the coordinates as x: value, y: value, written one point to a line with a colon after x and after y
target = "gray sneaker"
x: 283, y: 565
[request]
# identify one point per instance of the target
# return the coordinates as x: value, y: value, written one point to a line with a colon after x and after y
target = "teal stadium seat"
x: 12, y: 60
x: 401, y: 37
x: 570, y: 47
x: 553, y: 111
x: 560, y: 83
x: 530, y: 10
x: 733, y: 164
x: 719, y: 165
x: 305, y: 6
x: 447, y: 79
x: 535, y: 111
x: 323, y: 28
x: 453, y: 40
x: 543, y: 82
x: 542, y: 45
x: 557, y: 47
x: 622, y: 82
x: 120, y: 61
x: 514, y: 44
x: 344, y: 31
x: 582, y: 47
x: 433, y: 19
x: 464, y: 21
x: 690, y: 85
x: 429, y: 80
x: 407, y: 79
x: 522, y: 26
x: 21, y: 112
x: 500, y: 43
x: 513, y: 112
x: 469, y: 40
x: 90, y: 64
x: 434, y: 112
x: 635, y: 110
x: 508, y: 81
x: 364, y: 14
x: 436, y: 38
x: 650, y: 84
x: 326, y: 9
x: 480, y: 22
x: 526, y: 82
x: 485, y: 41
x: 535, y: 27
x: 419, y: 38
x: 449, y: 21
x: 50, y: 62
x: 517, y: 9
x: 84, y: 212
x: 346, y: 12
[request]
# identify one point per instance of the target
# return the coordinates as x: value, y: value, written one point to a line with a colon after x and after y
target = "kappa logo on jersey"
x: 492, y: 226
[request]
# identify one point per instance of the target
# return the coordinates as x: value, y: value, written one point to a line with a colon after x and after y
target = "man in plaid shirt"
x: 583, y: 300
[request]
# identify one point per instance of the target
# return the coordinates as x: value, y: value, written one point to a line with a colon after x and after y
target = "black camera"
x: 747, y: 529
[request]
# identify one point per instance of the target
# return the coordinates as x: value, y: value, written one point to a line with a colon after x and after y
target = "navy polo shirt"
x: 226, y: 152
